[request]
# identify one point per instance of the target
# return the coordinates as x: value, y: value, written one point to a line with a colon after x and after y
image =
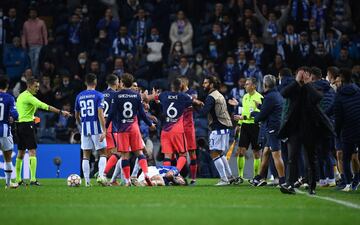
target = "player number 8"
x: 128, y: 113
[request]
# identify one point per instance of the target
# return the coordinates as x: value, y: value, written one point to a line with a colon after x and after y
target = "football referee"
x: 27, y: 104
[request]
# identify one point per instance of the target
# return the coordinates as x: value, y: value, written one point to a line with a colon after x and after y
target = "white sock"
x: 102, y: 165
x: 117, y: 171
x: 136, y: 168
x: 86, y: 170
x: 220, y: 168
x: 8, y: 171
x: 227, y: 167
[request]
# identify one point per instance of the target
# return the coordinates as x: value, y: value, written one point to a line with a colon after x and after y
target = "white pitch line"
x: 340, y: 202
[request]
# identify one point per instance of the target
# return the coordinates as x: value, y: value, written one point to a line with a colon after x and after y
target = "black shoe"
x: 192, y: 182
x: 262, y: 183
x: 22, y: 183
x: 287, y: 189
x: 254, y: 182
x: 238, y: 180
x: 35, y: 183
x: 312, y: 191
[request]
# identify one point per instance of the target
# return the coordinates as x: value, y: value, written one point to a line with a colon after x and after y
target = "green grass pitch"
x: 54, y: 203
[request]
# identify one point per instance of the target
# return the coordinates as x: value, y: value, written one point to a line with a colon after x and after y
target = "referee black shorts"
x: 249, y: 134
x: 26, y: 137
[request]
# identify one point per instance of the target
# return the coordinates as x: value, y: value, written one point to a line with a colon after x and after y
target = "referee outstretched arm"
x: 27, y: 104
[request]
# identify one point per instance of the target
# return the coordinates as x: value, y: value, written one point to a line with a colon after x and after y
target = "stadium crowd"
x: 238, y: 41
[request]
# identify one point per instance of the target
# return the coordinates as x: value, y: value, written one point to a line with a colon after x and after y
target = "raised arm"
x: 258, y: 14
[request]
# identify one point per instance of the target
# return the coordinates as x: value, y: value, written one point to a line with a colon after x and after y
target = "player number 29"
x: 128, y: 112
x: 171, y: 111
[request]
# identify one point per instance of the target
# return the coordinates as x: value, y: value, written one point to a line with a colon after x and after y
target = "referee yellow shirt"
x: 27, y: 104
x: 248, y: 104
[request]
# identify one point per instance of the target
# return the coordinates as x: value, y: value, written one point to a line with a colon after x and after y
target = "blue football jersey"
x: 192, y: 92
x: 108, y: 99
x: 127, y: 107
x: 7, y: 109
x: 173, y: 105
x: 164, y: 169
x: 87, y: 103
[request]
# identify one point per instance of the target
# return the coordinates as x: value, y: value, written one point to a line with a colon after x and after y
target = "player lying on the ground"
x: 158, y: 175
x: 162, y: 176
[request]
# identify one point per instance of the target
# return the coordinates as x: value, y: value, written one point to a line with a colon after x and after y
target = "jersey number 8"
x: 128, y: 112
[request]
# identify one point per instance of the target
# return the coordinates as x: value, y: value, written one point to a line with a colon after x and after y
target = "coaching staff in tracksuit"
x: 347, y: 126
x: 304, y: 125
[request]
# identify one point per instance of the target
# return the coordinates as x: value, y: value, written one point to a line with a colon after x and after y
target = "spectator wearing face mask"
x: 214, y: 52
x: 254, y: 71
x: 176, y: 52
x: 154, y: 57
x: 182, y: 30
x: 230, y: 72
x: 198, y: 65
x: 78, y: 68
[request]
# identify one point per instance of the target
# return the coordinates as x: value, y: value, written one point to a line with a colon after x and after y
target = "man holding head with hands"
x: 304, y: 125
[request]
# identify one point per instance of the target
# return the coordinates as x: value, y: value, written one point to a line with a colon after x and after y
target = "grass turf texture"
x: 55, y: 203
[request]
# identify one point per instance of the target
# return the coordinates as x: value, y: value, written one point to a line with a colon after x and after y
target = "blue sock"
x: 281, y: 180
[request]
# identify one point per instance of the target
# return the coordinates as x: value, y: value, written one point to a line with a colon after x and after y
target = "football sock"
x: 117, y: 171
x: 86, y: 170
x: 226, y: 166
x: 220, y: 168
x: 167, y: 162
x: 241, y: 165
x: 256, y: 166
x: 18, y: 169
x: 281, y: 180
x: 111, y: 162
x: 143, y: 164
x: 180, y: 163
x: 102, y: 164
x: 136, y: 168
x: 173, y: 160
x: 125, y: 164
x: 8, y: 171
x: 356, y: 177
x: 33, y: 165
x: 193, y: 166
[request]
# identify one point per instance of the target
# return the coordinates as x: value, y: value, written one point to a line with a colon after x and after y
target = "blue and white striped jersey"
x: 7, y: 109
x: 87, y: 103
